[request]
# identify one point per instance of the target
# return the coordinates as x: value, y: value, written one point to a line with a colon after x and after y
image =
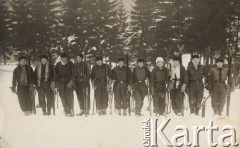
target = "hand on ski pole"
x: 183, y: 88
x: 31, y: 88
x: 152, y: 91
x: 52, y: 85
x: 70, y: 84
x: 108, y: 87
x: 13, y: 89
x: 129, y: 88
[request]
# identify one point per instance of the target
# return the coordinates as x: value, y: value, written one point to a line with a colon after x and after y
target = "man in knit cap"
x: 63, y: 78
x: 120, y: 86
x: 194, y: 80
x: 82, y: 77
x: 177, y: 85
x: 139, y: 75
x: 218, y: 87
x: 101, y: 79
x: 43, y: 81
x: 159, y: 80
x: 23, y: 79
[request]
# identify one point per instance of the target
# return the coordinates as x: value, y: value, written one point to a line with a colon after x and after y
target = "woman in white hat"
x: 159, y: 79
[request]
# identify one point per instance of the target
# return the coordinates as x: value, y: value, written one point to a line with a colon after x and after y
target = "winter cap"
x: 99, y: 58
x: 176, y: 58
x: 220, y: 59
x: 159, y: 59
x: 195, y: 56
x: 22, y: 57
x: 140, y: 60
x: 80, y: 55
x: 43, y: 56
x: 64, y: 55
x: 121, y: 59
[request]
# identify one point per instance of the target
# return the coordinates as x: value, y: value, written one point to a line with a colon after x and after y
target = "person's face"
x: 219, y: 64
x: 176, y: 63
x: 121, y: 63
x: 79, y: 59
x: 64, y: 60
x: 140, y: 64
x: 195, y: 61
x: 160, y: 64
x: 99, y: 62
x: 23, y: 62
x: 43, y: 60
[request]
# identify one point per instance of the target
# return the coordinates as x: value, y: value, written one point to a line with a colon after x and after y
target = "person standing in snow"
x: 101, y: 78
x: 139, y: 75
x: 194, y: 80
x: 43, y: 81
x: 159, y: 80
x: 218, y: 87
x: 63, y: 79
x: 82, y: 77
x: 23, y: 79
x: 177, y: 85
x: 120, y: 86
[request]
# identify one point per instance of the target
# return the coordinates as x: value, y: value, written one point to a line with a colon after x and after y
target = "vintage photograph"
x: 119, y: 73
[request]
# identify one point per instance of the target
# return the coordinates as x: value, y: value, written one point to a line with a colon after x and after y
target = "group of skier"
x: 167, y: 85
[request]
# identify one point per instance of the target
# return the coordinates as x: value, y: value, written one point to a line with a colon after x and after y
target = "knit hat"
x: 64, y: 55
x: 80, y: 55
x: 176, y: 58
x: 194, y: 56
x: 43, y: 56
x: 140, y: 60
x: 159, y: 59
x: 22, y: 57
x: 220, y: 59
x: 121, y: 59
x: 99, y: 58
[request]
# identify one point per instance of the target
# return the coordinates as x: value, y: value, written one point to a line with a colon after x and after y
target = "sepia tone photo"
x: 119, y: 73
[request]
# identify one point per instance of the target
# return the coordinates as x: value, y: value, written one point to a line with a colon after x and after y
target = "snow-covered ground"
x: 111, y: 131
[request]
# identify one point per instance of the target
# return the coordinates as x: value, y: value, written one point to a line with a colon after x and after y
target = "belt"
x: 121, y: 82
x: 195, y: 80
x: 141, y: 81
x: 100, y: 79
x: 218, y: 81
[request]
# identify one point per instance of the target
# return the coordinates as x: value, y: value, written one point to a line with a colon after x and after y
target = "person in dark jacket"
x: 82, y: 84
x: 120, y: 86
x: 23, y: 79
x: 159, y: 80
x: 101, y: 78
x: 218, y: 87
x: 194, y: 80
x: 63, y: 79
x: 177, y: 85
x: 139, y: 75
x: 43, y: 81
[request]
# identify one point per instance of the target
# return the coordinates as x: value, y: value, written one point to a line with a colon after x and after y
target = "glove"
x: 152, y: 91
x: 37, y: 88
x: 70, y: 84
x: 108, y: 87
x: 170, y: 86
x: 129, y: 88
x: 183, y: 88
x: 94, y: 87
x: 13, y: 90
x: 31, y: 88
x: 52, y: 85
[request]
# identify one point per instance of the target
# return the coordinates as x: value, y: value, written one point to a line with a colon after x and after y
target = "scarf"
x: 39, y: 73
x: 175, y: 72
x: 23, y: 76
x: 175, y: 75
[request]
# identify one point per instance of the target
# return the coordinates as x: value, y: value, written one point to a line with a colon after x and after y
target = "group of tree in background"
x: 152, y: 28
